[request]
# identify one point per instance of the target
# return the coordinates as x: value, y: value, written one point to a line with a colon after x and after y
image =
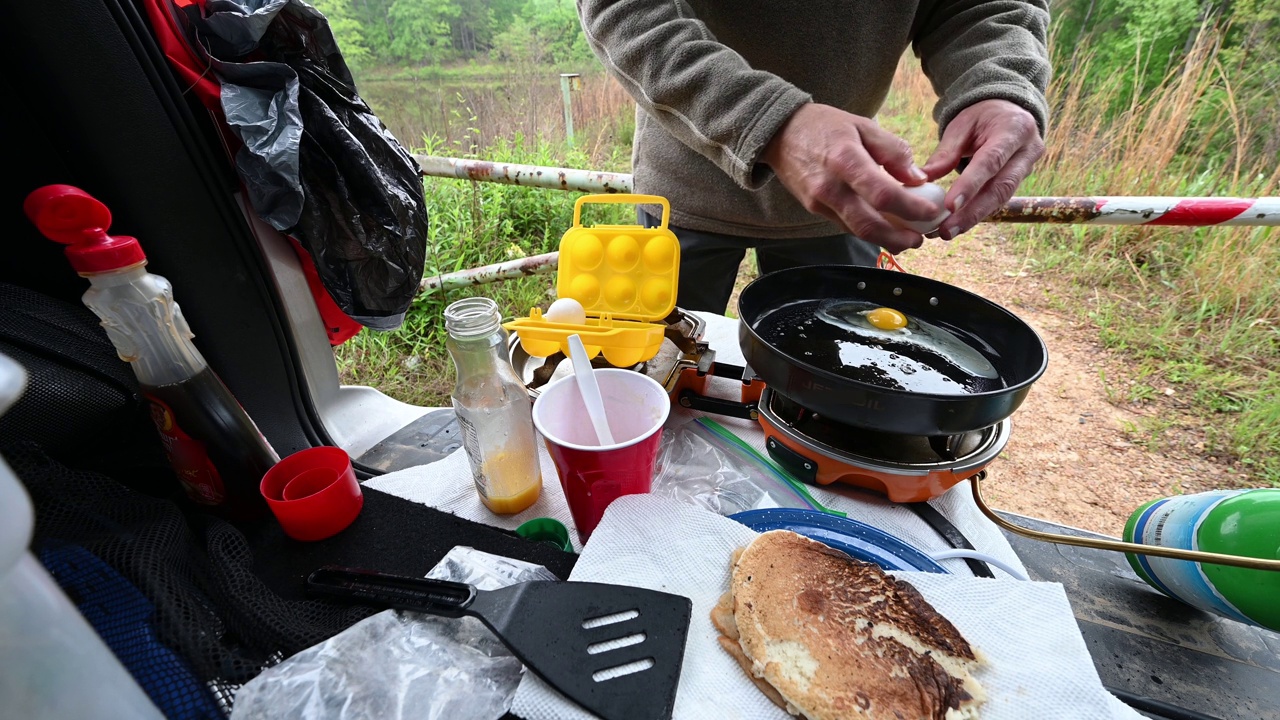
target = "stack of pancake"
x: 825, y: 636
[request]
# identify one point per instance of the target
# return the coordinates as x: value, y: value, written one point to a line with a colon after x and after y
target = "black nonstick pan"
x: 1015, y: 350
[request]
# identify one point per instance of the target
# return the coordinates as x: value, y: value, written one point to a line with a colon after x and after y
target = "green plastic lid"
x: 547, y: 530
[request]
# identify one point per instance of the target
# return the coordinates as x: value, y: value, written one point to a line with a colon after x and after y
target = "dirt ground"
x: 1076, y: 456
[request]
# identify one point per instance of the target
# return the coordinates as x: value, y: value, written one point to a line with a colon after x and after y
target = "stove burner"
x: 890, y: 447
x: 683, y: 348
x: 906, y: 468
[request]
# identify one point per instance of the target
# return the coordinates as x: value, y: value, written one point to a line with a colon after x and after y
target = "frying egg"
x: 566, y: 311
x: 934, y: 194
x: 886, y: 319
x: 865, y: 320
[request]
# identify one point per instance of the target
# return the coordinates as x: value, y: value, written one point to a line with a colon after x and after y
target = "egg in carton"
x: 615, y: 286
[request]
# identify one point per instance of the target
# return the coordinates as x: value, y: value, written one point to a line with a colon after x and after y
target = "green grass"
x: 1219, y: 351
x: 473, y: 224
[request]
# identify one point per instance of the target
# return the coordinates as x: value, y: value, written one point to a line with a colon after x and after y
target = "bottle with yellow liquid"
x: 493, y: 408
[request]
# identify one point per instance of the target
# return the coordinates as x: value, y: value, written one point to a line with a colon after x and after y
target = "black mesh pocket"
x: 194, y: 569
x: 82, y: 403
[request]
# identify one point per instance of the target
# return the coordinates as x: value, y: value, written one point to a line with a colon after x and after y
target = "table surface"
x: 1183, y: 662
x: 1163, y: 657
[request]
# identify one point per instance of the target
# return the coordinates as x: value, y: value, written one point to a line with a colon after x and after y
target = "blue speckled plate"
x: 859, y: 540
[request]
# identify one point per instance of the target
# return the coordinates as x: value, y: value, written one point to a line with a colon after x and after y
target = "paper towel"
x: 1038, y: 663
x: 447, y: 485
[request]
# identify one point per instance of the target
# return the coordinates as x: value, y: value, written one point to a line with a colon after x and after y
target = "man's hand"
x: 1003, y: 141
x: 843, y: 167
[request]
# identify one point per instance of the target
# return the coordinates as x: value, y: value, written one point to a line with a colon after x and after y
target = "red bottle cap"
x: 313, y: 493
x: 75, y: 218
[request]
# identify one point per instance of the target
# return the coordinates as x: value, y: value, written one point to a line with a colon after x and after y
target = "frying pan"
x: 1014, y: 349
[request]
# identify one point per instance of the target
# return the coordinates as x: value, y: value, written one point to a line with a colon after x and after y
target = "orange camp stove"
x: 903, y: 467
x: 819, y: 451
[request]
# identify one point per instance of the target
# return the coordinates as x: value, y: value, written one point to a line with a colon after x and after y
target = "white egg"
x: 934, y: 194
x: 566, y: 311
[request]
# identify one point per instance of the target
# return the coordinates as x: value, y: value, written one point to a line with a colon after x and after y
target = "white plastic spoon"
x: 590, y: 390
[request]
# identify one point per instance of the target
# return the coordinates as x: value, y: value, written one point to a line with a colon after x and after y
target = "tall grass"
x: 1195, y: 309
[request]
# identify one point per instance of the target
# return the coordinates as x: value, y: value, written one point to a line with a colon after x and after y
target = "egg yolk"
x: 886, y: 319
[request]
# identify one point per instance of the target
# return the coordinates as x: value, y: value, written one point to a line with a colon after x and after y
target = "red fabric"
x: 337, y: 324
x: 190, y: 68
x: 197, y: 77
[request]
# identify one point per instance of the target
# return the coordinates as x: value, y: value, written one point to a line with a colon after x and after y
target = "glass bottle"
x: 493, y: 408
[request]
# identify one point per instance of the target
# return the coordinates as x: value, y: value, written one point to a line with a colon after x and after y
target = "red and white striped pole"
x: 1138, y: 210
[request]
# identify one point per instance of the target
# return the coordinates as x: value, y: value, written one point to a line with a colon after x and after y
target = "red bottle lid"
x: 75, y: 218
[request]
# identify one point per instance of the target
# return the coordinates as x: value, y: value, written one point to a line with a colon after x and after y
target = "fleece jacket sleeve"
x: 974, y: 50
x: 702, y: 92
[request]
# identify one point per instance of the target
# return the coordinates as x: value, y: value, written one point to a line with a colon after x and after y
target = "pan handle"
x: 1116, y: 545
x: 437, y: 597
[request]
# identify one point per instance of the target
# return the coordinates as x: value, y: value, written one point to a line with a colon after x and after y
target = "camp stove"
x: 821, y: 451
x: 905, y: 468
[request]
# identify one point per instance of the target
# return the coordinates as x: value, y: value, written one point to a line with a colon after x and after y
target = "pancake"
x: 837, y: 638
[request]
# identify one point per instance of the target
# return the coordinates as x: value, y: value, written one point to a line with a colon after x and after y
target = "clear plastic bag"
x: 402, y: 665
x: 703, y: 464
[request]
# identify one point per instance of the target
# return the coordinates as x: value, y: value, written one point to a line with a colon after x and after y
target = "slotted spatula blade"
x: 613, y: 649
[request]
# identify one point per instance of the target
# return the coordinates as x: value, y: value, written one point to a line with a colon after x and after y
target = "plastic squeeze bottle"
x: 217, y: 452
x: 1233, y: 522
x: 493, y: 408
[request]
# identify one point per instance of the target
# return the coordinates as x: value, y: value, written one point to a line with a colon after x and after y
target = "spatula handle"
x: 438, y: 597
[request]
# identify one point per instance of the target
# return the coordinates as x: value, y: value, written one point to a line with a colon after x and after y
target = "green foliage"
x: 1126, y: 48
x: 348, y: 31
x: 431, y: 32
x: 544, y: 31
x: 422, y: 29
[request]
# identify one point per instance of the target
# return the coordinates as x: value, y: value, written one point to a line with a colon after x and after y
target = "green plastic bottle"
x: 1233, y: 522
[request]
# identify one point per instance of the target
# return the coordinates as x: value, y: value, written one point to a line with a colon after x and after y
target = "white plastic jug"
x: 55, y: 665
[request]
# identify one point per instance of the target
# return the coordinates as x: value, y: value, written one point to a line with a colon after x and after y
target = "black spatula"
x: 614, y: 650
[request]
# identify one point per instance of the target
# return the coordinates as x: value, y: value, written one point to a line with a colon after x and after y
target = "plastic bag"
x: 316, y: 162
x: 700, y: 463
x: 402, y: 665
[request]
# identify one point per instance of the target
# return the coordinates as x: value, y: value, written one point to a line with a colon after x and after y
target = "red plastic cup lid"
x: 313, y: 493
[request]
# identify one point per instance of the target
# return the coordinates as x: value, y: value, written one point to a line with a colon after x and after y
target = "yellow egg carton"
x: 625, y: 276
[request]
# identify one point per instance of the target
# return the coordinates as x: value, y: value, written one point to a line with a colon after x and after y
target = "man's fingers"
x: 859, y: 218
x: 988, y: 160
x: 893, y: 153
x: 994, y: 194
x: 955, y: 142
x: 855, y: 167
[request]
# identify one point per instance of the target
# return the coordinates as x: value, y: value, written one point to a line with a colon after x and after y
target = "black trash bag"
x: 318, y: 164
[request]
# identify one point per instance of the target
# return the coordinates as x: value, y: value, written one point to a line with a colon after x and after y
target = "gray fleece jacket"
x: 714, y: 80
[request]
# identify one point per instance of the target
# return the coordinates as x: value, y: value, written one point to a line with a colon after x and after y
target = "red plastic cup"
x: 593, y: 475
x: 313, y: 493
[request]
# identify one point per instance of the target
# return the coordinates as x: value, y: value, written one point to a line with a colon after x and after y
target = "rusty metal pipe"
x: 551, y: 178
x: 1108, y: 210
x: 1117, y: 210
x: 521, y: 267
